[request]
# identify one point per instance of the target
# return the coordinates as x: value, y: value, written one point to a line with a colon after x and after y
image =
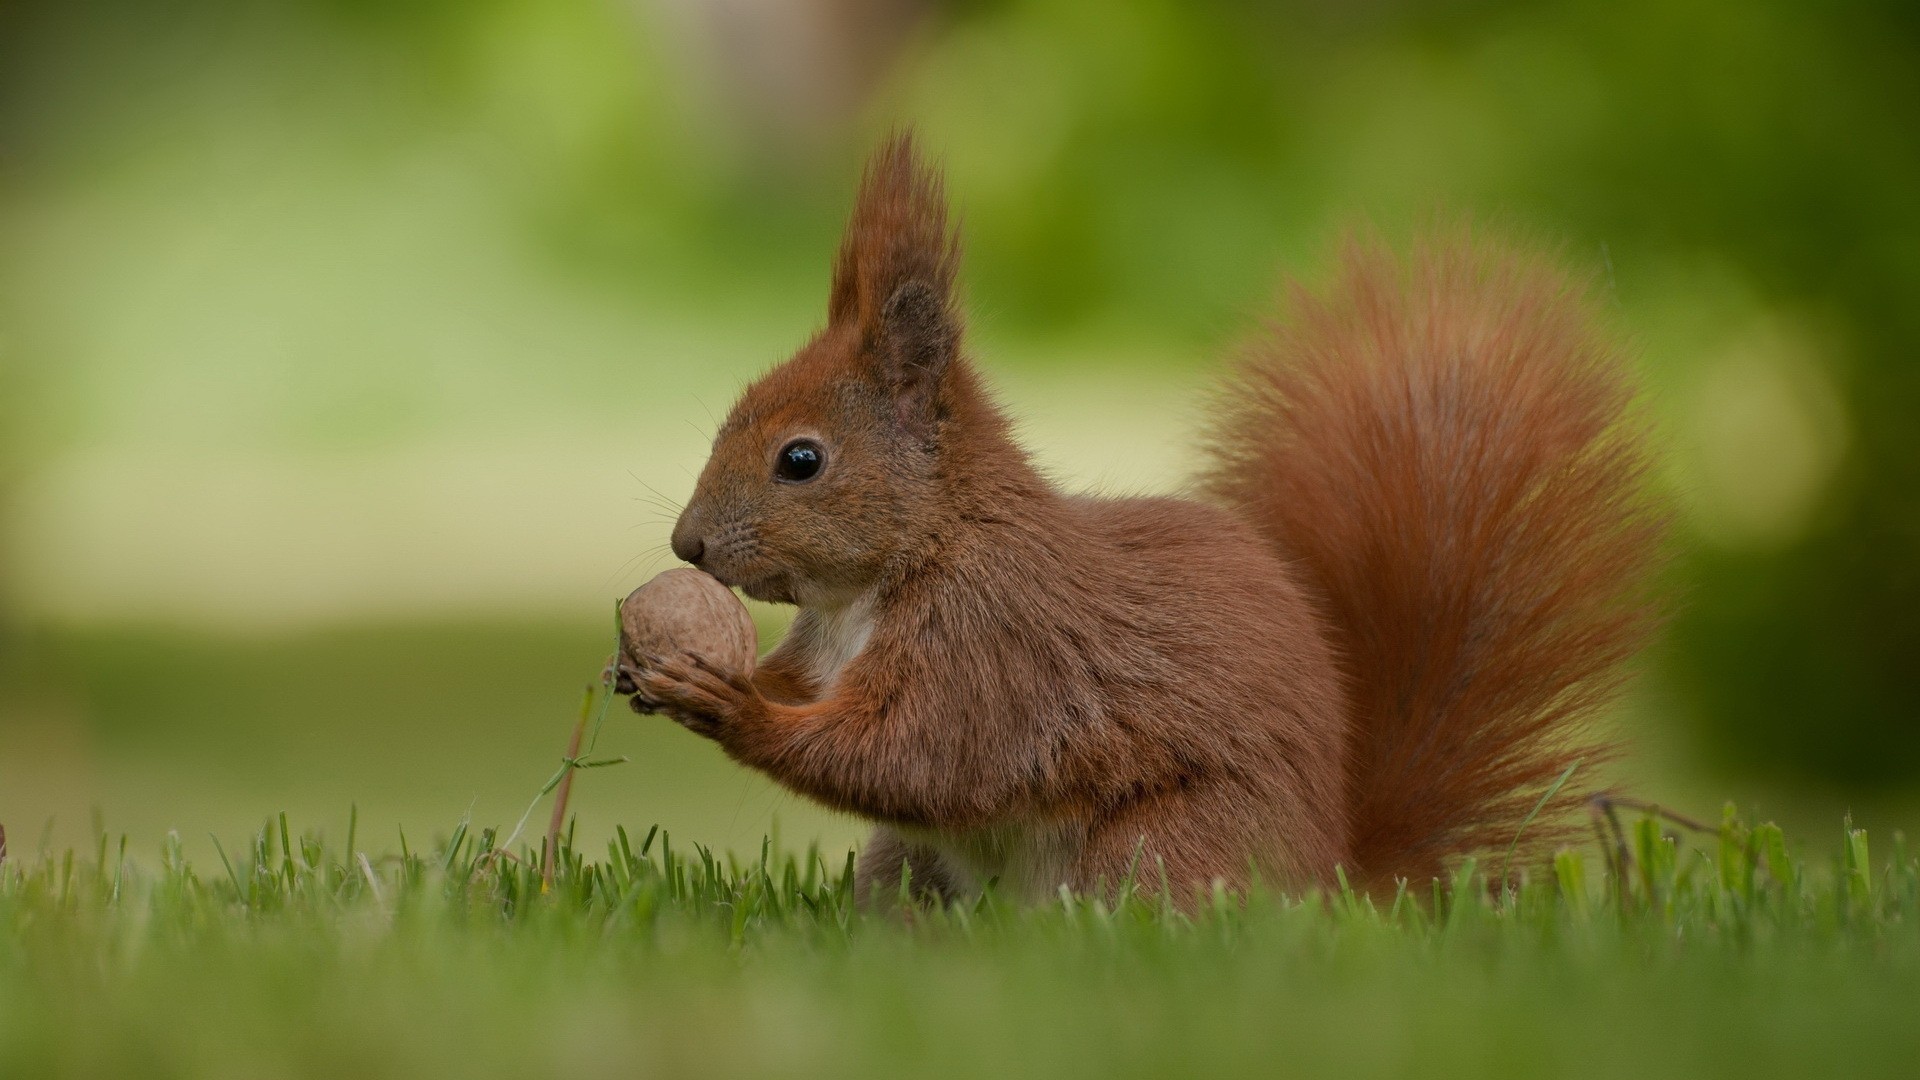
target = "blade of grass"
x: 1551, y: 791
x: 228, y: 863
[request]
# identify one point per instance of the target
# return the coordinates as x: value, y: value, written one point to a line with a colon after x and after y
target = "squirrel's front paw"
x: 696, y: 693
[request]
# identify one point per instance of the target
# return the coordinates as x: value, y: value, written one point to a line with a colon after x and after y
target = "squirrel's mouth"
x: 773, y: 587
x: 768, y: 591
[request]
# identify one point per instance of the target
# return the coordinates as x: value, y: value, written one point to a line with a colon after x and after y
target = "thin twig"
x: 550, y: 850
x: 562, y: 778
x: 1613, y: 841
x: 1657, y: 810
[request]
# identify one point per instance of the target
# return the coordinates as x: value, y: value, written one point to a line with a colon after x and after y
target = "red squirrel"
x: 1371, y: 639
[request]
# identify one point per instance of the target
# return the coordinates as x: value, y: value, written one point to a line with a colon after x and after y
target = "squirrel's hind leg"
x: 885, y: 856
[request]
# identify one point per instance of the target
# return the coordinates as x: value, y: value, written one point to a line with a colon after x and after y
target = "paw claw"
x: 689, y: 688
x: 734, y: 680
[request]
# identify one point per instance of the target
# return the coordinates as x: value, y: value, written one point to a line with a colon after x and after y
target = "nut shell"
x: 688, y: 610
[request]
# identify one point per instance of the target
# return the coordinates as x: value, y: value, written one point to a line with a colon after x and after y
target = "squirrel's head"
x: 830, y: 462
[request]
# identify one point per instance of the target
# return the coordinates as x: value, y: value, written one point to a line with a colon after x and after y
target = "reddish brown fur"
x: 1046, y: 689
x: 1450, y: 450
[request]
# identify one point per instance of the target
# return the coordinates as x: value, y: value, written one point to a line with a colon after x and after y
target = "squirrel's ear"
x: 893, y: 279
x: 915, y: 345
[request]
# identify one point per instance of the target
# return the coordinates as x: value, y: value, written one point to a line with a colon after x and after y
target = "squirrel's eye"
x: 799, y: 461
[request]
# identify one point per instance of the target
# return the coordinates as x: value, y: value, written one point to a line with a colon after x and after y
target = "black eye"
x: 799, y: 461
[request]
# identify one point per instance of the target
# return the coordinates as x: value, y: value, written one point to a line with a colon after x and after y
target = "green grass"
x: 296, y: 955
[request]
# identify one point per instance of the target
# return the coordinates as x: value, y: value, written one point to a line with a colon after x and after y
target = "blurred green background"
x: 349, y: 349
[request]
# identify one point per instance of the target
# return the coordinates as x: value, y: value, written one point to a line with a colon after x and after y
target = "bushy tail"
x: 1449, y: 449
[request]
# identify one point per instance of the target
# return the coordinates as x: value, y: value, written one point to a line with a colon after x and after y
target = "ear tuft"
x: 898, y: 235
x: 893, y: 280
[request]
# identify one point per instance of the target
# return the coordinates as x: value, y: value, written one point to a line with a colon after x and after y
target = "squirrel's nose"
x: 689, y: 549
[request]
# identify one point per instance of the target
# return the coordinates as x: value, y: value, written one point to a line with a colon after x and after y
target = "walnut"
x: 688, y: 610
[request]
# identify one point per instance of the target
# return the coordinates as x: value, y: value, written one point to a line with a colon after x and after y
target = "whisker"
x: 708, y: 409
x: 652, y: 552
x: 676, y: 505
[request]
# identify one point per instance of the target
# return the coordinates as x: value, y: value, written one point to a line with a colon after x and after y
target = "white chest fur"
x: 835, y: 636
